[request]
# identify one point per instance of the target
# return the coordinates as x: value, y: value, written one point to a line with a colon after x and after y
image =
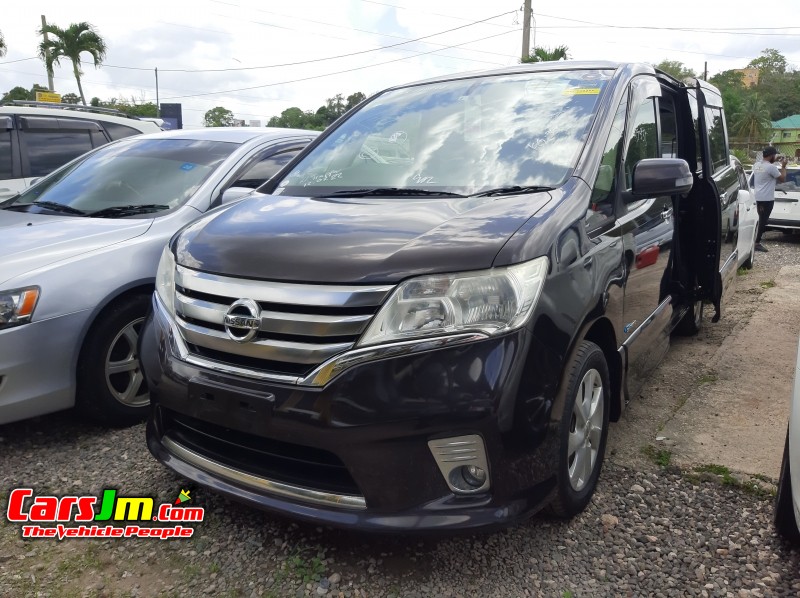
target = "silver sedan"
x: 78, y: 258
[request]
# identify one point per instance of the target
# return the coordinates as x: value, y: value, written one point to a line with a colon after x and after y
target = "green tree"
x: 218, y: 117
x: 70, y: 98
x: 771, y: 62
x: 70, y: 43
x: 752, y: 121
x: 3, y: 47
x: 16, y: 93
x: 547, y: 55
x: 354, y: 100
x: 676, y: 68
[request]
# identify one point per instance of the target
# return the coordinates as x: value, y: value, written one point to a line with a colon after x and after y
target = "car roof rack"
x: 77, y: 107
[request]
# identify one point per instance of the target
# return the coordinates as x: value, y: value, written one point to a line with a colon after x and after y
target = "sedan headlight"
x: 489, y: 301
x: 165, y: 280
x: 16, y: 306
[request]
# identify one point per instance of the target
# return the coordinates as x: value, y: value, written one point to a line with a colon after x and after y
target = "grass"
x: 706, y: 379
x: 660, y: 457
x: 723, y: 475
x: 301, y: 568
x: 767, y: 284
x: 742, y: 272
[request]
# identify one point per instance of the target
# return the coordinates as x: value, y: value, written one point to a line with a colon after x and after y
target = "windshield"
x: 152, y: 174
x: 466, y: 136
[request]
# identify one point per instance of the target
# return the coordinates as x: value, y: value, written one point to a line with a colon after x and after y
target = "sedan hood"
x: 32, y: 241
x: 354, y: 240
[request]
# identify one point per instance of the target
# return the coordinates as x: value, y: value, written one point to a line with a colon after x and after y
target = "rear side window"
x: 5, y: 153
x: 716, y: 137
x: 48, y: 149
x: 117, y: 131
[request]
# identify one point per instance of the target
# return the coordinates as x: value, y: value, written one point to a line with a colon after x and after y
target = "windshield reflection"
x: 464, y: 136
x: 152, y: 174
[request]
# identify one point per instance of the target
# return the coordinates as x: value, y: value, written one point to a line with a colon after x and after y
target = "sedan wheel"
x: 123, y: 375
x: 111, y: 386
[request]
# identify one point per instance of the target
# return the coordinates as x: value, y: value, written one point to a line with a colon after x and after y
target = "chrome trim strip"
x: 288, y: 351
x: 276, y: 321
x: 649, y: 320
x: 300, y: 493
x: 282, y: 292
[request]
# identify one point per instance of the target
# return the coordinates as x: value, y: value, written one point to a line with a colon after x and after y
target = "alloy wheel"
x: 586, y: 430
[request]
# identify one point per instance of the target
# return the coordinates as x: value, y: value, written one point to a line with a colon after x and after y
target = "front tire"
x: 584, y: 429
x: 785, y: 522
x: 111, y: 386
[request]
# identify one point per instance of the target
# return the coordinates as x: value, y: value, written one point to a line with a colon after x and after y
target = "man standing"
x: 765, y: 175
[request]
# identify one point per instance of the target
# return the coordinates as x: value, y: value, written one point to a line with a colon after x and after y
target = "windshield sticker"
x: 581, y: 91
x: 398, y: 137
x: 188, y: 166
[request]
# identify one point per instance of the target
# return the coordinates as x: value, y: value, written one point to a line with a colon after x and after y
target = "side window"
x: 117, y: 131
x: 716, y: 137
x: 5, y: 152
x: 642, y: 138
x: 259, y: 172
x: 98, y: 138
x: 601, y: 206
x: 48, y: 149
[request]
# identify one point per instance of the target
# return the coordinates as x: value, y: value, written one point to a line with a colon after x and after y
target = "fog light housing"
x: 463, y: 463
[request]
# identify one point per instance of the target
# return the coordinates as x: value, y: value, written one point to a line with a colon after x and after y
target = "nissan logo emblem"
x: 242, y: 320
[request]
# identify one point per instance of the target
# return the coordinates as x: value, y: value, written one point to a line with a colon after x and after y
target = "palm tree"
x: 3, y: 47
x: 752, y: 120
x: 546, y: 54
x: 71, y: 43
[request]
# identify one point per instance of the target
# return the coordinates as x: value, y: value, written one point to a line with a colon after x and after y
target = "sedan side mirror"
x: 233, y: 193
x: 661, y: 176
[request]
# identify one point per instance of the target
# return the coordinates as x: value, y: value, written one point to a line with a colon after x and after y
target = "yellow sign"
x: 48, y: 96
x: 582, y: 91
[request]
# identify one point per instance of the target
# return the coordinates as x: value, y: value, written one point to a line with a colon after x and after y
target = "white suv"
x: 35, y: 140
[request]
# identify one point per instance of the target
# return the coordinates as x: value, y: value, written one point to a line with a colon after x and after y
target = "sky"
x: 257, y: 58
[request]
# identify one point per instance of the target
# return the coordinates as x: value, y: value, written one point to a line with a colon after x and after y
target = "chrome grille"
x: 302, y: 325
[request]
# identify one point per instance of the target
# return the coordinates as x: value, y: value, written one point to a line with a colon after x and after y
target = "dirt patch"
x: 722, y: 397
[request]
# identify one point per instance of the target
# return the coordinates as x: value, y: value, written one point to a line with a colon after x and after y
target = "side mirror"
x: 661, y: 176
x: 233, y: 193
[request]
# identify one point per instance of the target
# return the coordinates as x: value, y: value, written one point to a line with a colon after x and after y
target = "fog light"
x: 474, y: 475
x: 463, y: 463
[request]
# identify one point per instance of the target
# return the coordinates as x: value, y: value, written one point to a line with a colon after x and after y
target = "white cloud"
x: 219, y: 34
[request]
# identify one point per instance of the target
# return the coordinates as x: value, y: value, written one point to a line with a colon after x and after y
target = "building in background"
x: 749, y: 76
x: 786, y: 136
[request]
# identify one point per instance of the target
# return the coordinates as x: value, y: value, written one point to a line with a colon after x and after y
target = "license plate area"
x: 230, y: 406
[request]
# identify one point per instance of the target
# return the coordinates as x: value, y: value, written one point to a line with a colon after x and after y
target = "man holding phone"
x: 765, y: 175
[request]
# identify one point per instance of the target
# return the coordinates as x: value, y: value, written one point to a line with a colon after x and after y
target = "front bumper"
x: 37, y: 366
x: 355, y: 452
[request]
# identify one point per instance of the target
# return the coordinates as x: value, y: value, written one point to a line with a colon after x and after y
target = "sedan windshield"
x: 137, y: 176
x: 513, y: 133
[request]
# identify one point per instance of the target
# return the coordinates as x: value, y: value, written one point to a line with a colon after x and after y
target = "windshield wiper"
x: 390, y: 192
x: 513, y: 190
x: 57, y: 207
x: 128, y: 210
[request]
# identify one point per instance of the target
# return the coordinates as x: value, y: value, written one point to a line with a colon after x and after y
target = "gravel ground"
x: 646, y: 533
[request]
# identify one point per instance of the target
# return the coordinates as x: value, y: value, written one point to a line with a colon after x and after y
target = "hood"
x: 32, y: 241
x: 353, y: 240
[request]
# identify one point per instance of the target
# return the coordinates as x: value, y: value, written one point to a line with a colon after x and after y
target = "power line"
x: 210, y: 93
x: 18, y: 60
x: 315, y: 60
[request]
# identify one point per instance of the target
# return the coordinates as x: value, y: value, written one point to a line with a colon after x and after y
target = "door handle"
x: 587, y: 263
x: 666, y: 214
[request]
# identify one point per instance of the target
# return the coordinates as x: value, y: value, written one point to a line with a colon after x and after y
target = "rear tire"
x: 785, y: 522
x: 583, y: 430
x: 111, y: 386
x: 692, y: 320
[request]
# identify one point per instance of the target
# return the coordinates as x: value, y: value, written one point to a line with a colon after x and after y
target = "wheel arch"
x: 144, y: 286
x: 601, y: 333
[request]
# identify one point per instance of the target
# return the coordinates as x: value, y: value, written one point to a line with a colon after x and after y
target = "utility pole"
x: 47, y: 55
x: 705, y: 71
x: 526, y: 30
x: 158, y: 104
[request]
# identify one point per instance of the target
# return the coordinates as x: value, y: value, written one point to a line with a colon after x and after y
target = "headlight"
x: 16, y: 306
x: 490, y: 301
x: 165, y: 280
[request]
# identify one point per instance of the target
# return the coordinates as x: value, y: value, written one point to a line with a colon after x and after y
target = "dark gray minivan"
x: 429, y: 318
